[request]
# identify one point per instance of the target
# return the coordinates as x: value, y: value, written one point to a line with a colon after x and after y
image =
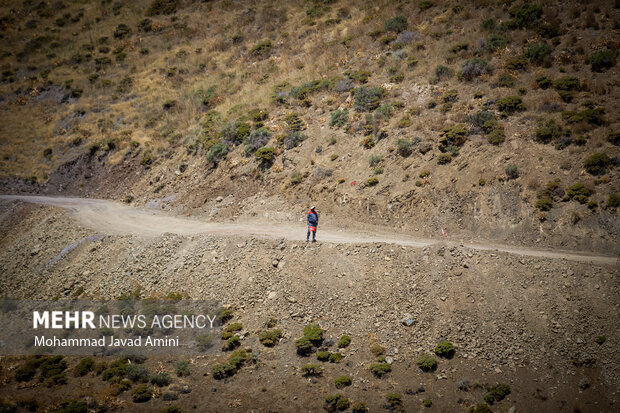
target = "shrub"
x: 377, y: 350
x: 444, y: 158
x: 427, y: 402
x: 525, y: 15
x: 454, y: 136
x: 506, y: 80
x: 314, y: 333
x: 614, y: 138
x: 444, y: 349
x: 270, y: 338
x: 567, y: 84
x: 335, y: 357
x: 546, y: 131
x: 539, y: 53
x: 544, y: 204
x: 336, y: 402
x: 593, y: 116
x: 312, y: 370
x: 137, y: 373
x: 235, y: 132
x: 322, y: 355
x: 404, y: 147
x: 443, y: 72
x: 480, y: 408
x: 261, y: 49
x: 28, y: 370
x: 141, y: 393
x: 396, y: 24
x: 510, y: 104
x: 359, y: 407
x: 613, y: 202
x: 342, y: 381
x: 84, y: 367
x: 474, y: 68
x: 380, y: 369
x: 256, y: 139
x: 372, y: 181
x: 426, y: 362
x: 544, y: 82
x: 360, y: 76
x: 512, y: 171
x: 339, y: 118
x: 293, y: 139
x: 344, y: 341
x: 121, y: 31
x: 368, y: 98
x: 217, y: 152
x: 163, y: 7
x: 368, y: 142
x: 602, y: 60
x: 497, y: 41
x: 497, y: 392
x: 221, y: 371
x: 394, y: 399
x: 181, y: 368
x: 161, y: 379
x: 426, y: 4
x: 578, y: 192
x: 597, y: 163
x: 304, y: 346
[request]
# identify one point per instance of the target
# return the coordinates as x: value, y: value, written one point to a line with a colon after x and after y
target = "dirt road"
x: 114, y: 218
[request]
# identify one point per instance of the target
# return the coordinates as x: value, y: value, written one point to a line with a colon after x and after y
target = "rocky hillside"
x: 494, y: 119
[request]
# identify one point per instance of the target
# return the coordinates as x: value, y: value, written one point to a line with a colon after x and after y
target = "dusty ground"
x: 527, y: 321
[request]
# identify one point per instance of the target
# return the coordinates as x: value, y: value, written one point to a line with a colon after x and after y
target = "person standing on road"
x: 313, y: 222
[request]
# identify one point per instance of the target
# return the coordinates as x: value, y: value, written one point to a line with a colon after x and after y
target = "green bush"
x: 525, y: 15
x: 597, y: 163
x: 497, y: 392
x: 84, y: 367
x: 512, y: 171
x: 506, y: 80
x: 121, y: 31
x: 613, y: 202
x: 296, y: 177
x: 377, y: 350
x: 293, y: 139
x: 161, y: 379
x: 335, y: 357
x: 343, y: 381
x: 234, y: 133
x: 578, y: 192
x: 426, y: 4
x: 368, y: 98
x: 426, y: 362
x: 380, y: 369
x: 614, y: 138
x: 322, y: 355
x: 231, y: 343
x: 270, y: 338
x: 539, y: 53
x: 304, y: 346
x: 339, y: 118
x: 452, y: 136
x: 544, y: 204
x: 372, y: 181
x: 396, y: 24
x: 137, y: 373
x: 312, y: 370
x: 549, y: 130
x: 510, y: 104
x: 480, y: 408
x: 602, y: 60
x: 566, y: 84
x: 336, y: 402
x: 496, y: 41
x: 261, y: 49
x: 344, y: 341
x: 474, y: 68
x: 442, y: 72
x: 359, y: 407
x: 314, y: 333
x: 404, y: 147
x: 163, y: 7
x: 141, y: 393
x: 221, y: 371
x: 543, y: 82
x: 444, y: 158
x: 593, y: 116
x: 444, y: 349
x: 181, y: 368
x: 256, y: 139
x: 217, y: 152
x: 394, y: 399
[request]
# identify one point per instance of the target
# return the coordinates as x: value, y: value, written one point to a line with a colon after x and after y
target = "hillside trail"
x: 114, y: 218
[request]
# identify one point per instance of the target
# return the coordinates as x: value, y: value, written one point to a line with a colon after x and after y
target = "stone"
x: 219, y: 199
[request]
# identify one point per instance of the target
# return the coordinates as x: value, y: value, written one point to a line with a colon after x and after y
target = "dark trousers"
x: 313, y: 235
